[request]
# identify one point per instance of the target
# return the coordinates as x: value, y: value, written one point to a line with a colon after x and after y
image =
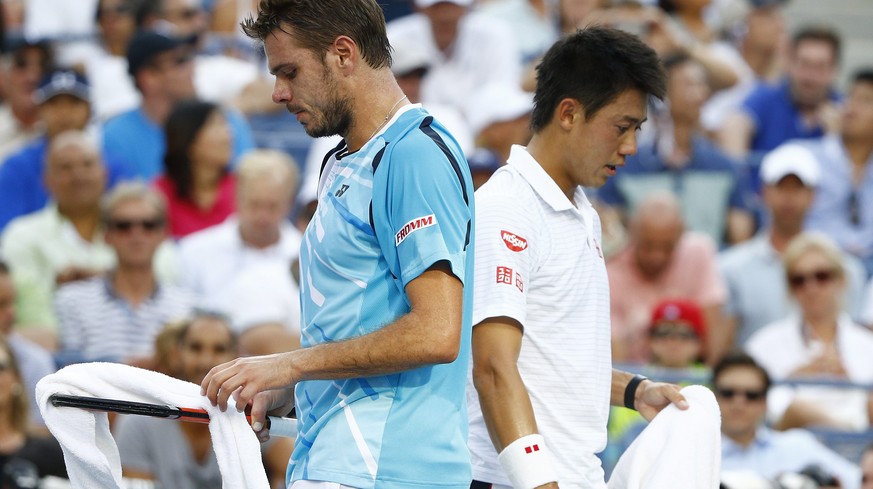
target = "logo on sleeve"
x: 413, y: 226
x: 513, y: 241
x: 504, y: 275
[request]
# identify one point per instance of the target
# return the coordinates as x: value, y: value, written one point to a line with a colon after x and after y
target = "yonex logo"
x: 342, y: 190
x: 413, y: 226
x: 513, y: 241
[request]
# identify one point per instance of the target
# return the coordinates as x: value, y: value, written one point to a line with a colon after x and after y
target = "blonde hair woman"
x: 817, y: 341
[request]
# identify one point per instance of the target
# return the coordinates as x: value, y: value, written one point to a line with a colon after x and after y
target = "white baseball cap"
x: 790, y: 159
x: 497, y: 102
x: 428, y: 3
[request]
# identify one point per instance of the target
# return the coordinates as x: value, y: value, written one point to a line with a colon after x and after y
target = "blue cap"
x: 62, y: 82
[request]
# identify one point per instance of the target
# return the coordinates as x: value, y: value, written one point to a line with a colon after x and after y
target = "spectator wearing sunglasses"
x: 818, y: 341
x: 115, y: 317
x: 748, y: 445
x: 843, y: 206
x: 753, y: 270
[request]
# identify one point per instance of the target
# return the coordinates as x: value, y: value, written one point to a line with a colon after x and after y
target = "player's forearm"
x: 414, y: 340
x: 505, y: 403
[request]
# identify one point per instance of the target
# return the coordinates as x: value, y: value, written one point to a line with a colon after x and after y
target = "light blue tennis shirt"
x: 386, y: 213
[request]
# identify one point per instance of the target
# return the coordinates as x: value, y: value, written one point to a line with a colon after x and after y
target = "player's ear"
x: 345, y: 51
x: 568, y: 112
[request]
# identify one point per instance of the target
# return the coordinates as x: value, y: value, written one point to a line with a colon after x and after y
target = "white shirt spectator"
x: 484, y: 51
x: 217, y: 265
x: 539, y: 261
x: 782, y: 348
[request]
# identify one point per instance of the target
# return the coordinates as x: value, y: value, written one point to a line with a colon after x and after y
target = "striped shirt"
x: 539, y: 261
x: 96, y: 324
x: 386, y: 213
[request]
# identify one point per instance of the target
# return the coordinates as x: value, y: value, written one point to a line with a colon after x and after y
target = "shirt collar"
x: 542, y: 183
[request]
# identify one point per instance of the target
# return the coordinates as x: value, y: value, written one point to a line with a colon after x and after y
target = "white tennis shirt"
x: 539, y: 261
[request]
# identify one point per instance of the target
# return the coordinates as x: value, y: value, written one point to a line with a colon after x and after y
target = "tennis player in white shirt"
x: 542, y: 369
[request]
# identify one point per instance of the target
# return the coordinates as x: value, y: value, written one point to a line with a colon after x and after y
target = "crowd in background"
x: 150, y: 191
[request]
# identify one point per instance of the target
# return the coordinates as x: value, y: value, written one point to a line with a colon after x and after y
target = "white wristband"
x: 527, y: 462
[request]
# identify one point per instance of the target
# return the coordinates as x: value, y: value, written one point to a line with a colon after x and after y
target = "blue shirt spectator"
x: 138, y: 143
x: 21, y: 188
x: 777, y: 118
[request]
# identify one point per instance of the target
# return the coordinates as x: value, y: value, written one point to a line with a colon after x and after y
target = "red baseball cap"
x: 679, y: 310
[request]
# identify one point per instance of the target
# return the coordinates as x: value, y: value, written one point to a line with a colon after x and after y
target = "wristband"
x: 630, y: 392
x: 527, y: 463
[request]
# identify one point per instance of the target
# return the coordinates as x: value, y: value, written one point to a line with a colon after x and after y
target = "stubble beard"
x: 336, y: 116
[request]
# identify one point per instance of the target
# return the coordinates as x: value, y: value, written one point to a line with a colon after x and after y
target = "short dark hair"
x: 864, y: 75
x: 316, y: 24
x: 185, y: 326
x: 184, y: 122
x: 820, y: 33
x: 594, y: 66
x: 739, y: 358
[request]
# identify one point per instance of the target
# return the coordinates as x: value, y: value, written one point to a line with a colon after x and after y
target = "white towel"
x: 678, y: 450
x: 90, y: 452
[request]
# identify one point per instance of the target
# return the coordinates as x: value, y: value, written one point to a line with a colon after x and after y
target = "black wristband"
x: 630, y: 392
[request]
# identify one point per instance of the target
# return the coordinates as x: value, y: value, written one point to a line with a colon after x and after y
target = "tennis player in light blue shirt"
x: 385, y: 268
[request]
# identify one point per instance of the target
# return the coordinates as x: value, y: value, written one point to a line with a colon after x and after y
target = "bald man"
x: 661, y: 261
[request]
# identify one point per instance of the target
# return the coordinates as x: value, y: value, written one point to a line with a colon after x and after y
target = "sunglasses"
x: 679, y: 334
x: 752, y: 396
x: 127, y: 225
x: 798, y: 280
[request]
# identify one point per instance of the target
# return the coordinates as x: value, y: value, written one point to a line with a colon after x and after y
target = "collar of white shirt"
x: 542, y: 183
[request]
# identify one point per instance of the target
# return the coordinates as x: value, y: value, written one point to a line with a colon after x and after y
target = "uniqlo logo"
x: 531, y: 449
x: 519, y: 283
x: 504, y: 275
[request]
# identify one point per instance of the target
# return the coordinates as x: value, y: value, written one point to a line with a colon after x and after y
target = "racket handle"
x: 286, y: 427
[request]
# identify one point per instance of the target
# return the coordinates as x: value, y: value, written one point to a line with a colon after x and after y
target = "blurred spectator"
x: 531, y: 23
x: 689, y: 17
x: 665, y: 35
x: 660, y: 261
x: 197, y: 182
x: 499, y: 117
x: 162, y: 71
x: 22, y: 67
x: 760, y: 36
x: 180, y: 455
x: 243, y: 265
x: 41, y: 454
x: 63, y: 105
x: 677, y: 334
x: 821, y: 341
x: 217, y: 78
x: 34, y: 361
x: 112, y: 89
x: 466, y: 49
x: 843, y: 205
x: 117, y: 316
x: 62, y: 242
x: 753, y: 271
x: 572, y: 13
x: 867, y: 468
x: 741, y: 386
x: 801, y: 106
x: 681, y: 159
x: 867, y: 311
